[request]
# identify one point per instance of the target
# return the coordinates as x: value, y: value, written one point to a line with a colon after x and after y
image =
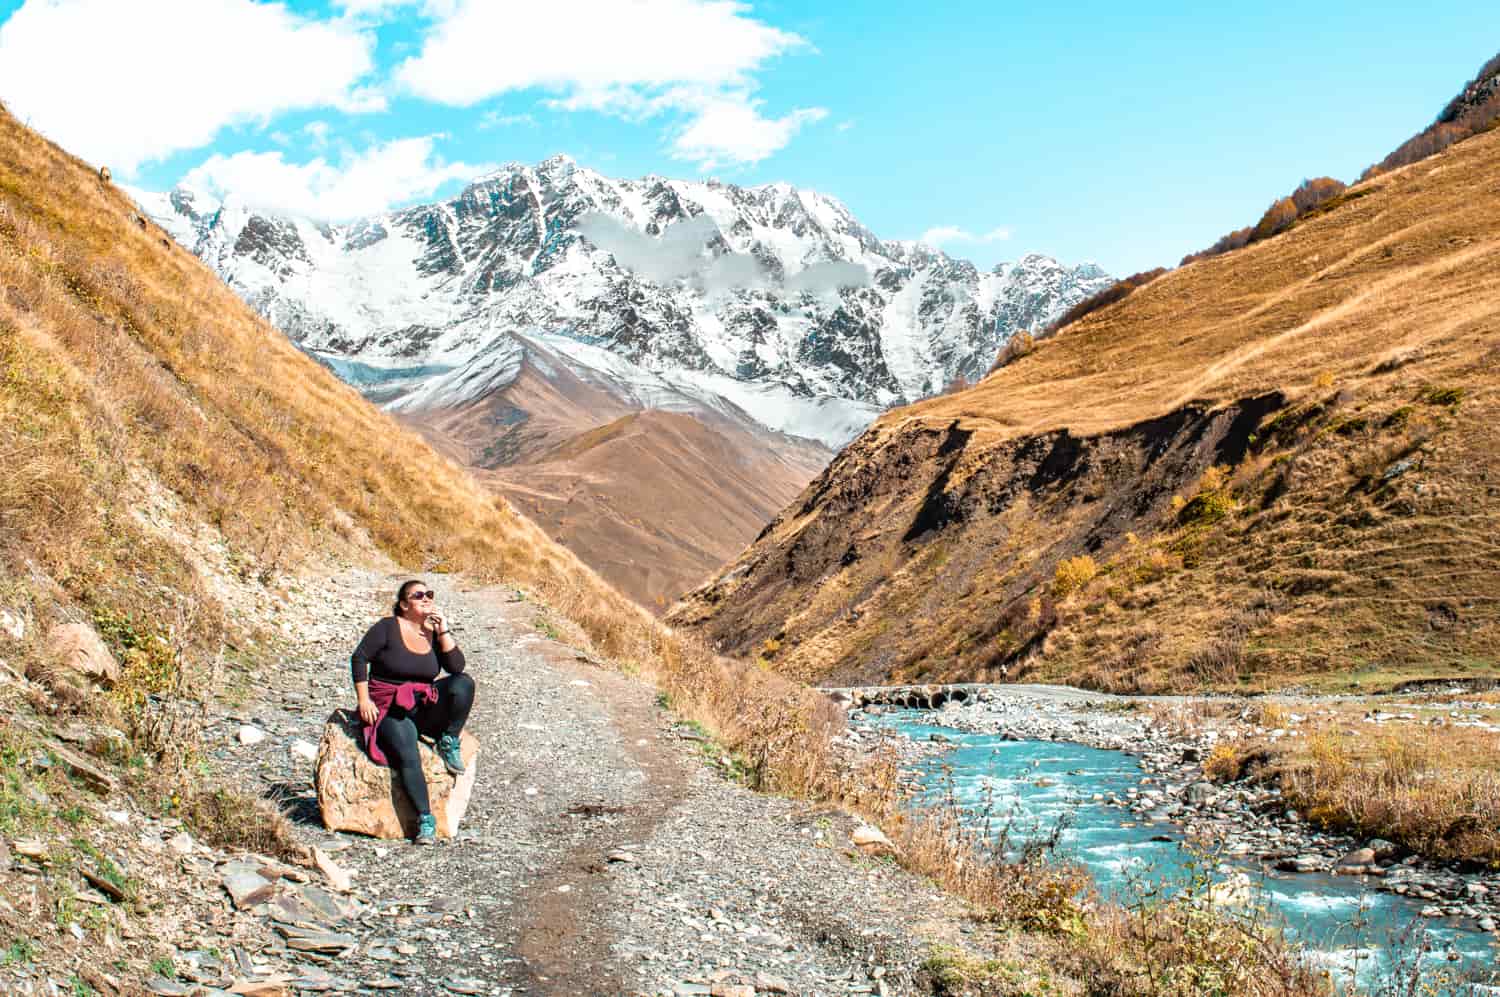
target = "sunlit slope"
x: 1341, y: 376
x: 657, y: 501
x: 149, y: 419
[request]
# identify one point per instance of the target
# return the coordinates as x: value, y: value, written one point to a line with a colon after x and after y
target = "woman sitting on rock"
x: 396, y: 669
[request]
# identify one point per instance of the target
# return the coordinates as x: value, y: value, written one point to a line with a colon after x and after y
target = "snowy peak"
x: 773, y: 299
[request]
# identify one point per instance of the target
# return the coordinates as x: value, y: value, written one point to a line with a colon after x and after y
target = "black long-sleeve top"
x: 384, y: 656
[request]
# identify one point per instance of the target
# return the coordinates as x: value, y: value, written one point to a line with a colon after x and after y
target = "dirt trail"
x: 711, y: 884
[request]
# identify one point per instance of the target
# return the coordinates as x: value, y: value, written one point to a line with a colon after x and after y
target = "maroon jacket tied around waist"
x: 384, y: 695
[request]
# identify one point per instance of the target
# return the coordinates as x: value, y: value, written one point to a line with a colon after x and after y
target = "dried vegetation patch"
x: 1429, y: 786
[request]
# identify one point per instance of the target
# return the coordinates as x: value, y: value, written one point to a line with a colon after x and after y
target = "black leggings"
x: 397, y: 733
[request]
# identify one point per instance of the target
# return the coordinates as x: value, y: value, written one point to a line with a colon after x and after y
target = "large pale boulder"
x: 355, y: 794
x: 75, y: 653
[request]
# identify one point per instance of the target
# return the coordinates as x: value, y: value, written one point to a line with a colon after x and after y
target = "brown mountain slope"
x: 654, y: 501
x: 521, y: 422
x: 1283, y: 462
x: 657, y: 501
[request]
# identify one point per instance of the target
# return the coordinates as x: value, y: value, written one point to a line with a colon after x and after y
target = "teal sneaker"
x: 449, y: 751
x: 426, y: 830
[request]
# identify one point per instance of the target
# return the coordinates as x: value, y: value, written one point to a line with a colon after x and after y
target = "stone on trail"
x: 872, y: 841
x: 261, y: 988
x: 305, y: 750
x: 355, y: 794
x: 338, y: 877
x: 246, y: 886
x: 80, y: 767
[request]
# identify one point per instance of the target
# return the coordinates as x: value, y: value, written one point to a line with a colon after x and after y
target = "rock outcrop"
x: 77, y: 655
x: 355, y: 794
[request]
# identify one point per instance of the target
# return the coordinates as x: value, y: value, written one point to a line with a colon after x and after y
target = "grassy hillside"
x: 1277, y: 465
x: 135, y: 380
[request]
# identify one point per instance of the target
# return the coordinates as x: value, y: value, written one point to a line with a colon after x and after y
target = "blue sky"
x: 1087, y: 131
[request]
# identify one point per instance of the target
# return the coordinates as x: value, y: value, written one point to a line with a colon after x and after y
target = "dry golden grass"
x: 1342, y: 378
x: 1433, y: 790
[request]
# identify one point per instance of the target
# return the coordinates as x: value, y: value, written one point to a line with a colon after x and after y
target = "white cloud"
x: 125, y: 83
x: 943, y: 235
x: 730, y: 129
x: 494, y: 119
x: 637, y: 60
x: 380, y: 178
x: 583, y: 45
x: 317, y: 131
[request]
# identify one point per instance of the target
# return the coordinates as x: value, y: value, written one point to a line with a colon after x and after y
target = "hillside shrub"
x: 1073, y: 574
x: 1118, y: 291
x: 1311, y: 196
x: 1021, y: 344
x: 1277, y: 219
x: 1442, y: 396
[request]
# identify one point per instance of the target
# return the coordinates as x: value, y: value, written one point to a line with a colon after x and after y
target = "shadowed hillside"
x: 1275, y: 465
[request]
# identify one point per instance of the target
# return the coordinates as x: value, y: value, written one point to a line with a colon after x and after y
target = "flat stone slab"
x: 307, y: 940
x: 246, y: 887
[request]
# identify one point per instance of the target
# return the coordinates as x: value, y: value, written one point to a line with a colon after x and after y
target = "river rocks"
x: 1384, y: 851
x: 76, y: 655
x: 1232, y: 891
x: 355, y: 794
x: 1201, y: 794
x: 1356, y: 863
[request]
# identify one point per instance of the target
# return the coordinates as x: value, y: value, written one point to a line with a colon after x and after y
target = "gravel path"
x: 602, y: 852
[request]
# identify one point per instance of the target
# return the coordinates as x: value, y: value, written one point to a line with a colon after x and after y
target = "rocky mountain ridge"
x: 770, y: 303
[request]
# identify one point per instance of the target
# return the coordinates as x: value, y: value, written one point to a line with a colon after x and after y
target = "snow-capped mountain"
x: 771, y: 302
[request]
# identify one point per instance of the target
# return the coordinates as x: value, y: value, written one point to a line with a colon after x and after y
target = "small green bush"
x: 1449, y: 397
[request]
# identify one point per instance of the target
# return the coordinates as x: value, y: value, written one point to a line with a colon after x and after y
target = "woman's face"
x: 418, y: 601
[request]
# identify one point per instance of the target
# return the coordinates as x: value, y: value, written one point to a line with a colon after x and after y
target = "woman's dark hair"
x: 401, y: 595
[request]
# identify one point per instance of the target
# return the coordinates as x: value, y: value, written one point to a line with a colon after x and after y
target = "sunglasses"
x: 415, y: 594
